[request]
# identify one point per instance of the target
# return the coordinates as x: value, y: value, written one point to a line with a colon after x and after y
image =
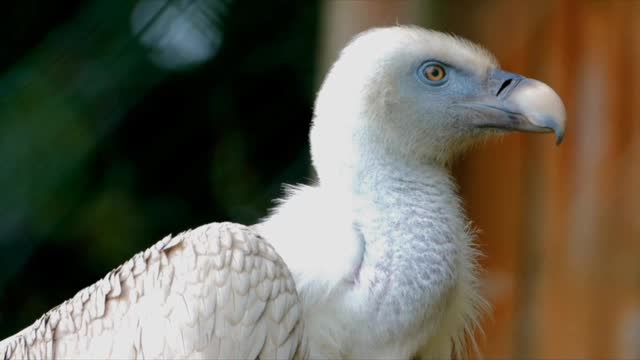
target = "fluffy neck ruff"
x: 418, y: 248
x: 381, y: 240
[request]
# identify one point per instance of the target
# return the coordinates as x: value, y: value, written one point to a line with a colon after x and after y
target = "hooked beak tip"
x: 553, y: 124
x: 559, y: 137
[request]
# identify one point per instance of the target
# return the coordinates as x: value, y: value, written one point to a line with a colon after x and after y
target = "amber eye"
x: 434, y: 73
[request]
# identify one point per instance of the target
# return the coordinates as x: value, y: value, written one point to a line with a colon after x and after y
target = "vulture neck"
x: 372, y: 167
x: 415, y: 252
x: 384, y: 236
x: 408, y: 216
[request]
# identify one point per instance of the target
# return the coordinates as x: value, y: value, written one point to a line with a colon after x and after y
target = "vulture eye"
x: 433, y: 73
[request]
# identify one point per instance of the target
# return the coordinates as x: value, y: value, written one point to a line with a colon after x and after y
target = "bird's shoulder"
x: 219, y: 290
x: 314, y: 231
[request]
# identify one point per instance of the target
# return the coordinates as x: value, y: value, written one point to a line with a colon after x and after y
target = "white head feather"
x: 362, y: 105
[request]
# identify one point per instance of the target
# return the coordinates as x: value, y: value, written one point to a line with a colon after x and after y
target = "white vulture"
x: 374, y: 260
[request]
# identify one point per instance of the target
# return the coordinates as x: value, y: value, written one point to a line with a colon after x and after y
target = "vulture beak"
x: 515, y: 103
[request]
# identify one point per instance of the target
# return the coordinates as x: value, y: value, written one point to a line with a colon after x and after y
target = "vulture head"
x: 410, y: 94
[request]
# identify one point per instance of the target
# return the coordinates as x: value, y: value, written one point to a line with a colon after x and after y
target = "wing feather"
x: 218, y: 291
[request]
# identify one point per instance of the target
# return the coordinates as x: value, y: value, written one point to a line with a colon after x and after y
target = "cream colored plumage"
x: 378, y: 250
x: 219, y: 291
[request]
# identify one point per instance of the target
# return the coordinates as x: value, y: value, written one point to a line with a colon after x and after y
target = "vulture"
x: 375, y: 259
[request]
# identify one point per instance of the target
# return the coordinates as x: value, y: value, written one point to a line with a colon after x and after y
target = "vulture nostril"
x: 504, y: 86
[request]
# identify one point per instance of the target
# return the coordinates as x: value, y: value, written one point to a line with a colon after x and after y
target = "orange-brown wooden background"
x: 560, y: 226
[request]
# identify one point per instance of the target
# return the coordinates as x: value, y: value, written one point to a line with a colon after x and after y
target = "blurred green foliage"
x: 102, y: 152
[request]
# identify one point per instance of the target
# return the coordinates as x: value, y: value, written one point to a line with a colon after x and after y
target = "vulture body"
x: 375, y: 260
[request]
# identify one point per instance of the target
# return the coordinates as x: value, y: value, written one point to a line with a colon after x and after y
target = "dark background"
x: 103, y: 152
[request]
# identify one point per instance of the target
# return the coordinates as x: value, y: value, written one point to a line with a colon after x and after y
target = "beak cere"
x: 516, y: 103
